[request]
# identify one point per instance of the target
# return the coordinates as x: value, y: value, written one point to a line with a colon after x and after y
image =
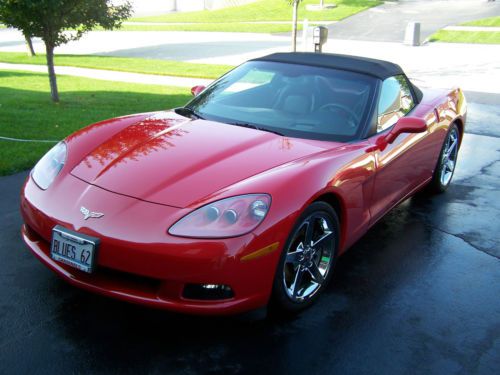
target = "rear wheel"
x: 307, y: 260
x: 447, y: 161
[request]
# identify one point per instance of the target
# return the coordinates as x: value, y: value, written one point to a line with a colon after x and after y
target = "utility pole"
x: 294, y: 24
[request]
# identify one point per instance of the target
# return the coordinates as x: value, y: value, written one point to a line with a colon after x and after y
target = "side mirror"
x: 406, y: 125
x: 196, y: 90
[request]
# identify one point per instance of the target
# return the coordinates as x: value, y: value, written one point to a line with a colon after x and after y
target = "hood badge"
x: 89, y: 214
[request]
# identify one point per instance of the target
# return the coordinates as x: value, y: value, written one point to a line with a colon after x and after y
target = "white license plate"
x: 74, y: 249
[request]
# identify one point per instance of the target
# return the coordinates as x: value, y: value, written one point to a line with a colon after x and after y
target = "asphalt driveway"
x: 387, y: 22
x: 419, y: 294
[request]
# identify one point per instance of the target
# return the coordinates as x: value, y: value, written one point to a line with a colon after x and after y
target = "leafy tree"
x: 7, y: 12
x: 57, y: 22
x: 295, y: 4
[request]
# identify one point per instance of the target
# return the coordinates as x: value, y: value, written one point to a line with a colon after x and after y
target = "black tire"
x: 318, y: 213
x: 438, y: 183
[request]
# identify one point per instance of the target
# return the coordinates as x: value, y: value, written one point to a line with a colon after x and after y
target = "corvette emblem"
x: 89, y: 214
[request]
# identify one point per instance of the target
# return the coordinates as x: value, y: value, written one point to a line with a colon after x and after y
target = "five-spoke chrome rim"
x: 309, y: 257
x: 449, y: 157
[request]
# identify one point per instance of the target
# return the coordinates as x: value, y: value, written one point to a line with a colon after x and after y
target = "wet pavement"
x: 418, y: 294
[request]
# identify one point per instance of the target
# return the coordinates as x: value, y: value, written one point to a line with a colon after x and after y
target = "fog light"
x: 207, y: 292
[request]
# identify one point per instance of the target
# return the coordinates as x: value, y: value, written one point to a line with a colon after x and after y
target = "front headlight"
x: 49, y: 166
x: 230, y: 217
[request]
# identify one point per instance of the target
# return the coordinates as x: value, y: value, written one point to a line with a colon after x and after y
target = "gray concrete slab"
x: 418, y: 294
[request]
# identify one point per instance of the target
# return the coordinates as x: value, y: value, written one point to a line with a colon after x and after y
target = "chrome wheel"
x: 449, y: 157
x: 309, y: 257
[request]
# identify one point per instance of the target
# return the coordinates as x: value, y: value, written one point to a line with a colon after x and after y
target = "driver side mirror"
x: 406, y: 125
x: 196, y: 90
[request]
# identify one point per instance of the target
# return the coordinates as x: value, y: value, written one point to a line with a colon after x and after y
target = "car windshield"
x: 289, y: 99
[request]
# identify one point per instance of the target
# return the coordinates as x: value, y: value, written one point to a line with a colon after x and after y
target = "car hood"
x: 171, y: 160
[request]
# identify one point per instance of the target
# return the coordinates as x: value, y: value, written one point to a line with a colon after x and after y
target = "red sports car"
x: 248, y: 194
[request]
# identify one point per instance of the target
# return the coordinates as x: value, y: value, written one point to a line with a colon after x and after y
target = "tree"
x: 29, y: 45
x: 295, y: 4
x: 7, y: 12
x: 60, y: 21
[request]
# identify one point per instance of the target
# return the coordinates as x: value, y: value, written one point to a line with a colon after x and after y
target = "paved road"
x: 168, y: 45
x: 387, y: 22
x: 417, y: 295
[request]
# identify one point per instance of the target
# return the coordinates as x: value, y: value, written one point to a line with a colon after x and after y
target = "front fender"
x: 345, y: 174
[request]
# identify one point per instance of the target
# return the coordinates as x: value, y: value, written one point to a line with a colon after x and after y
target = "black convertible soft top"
x: 377, y: 68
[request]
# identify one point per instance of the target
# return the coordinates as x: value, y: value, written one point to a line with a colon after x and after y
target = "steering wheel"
x: 351, y: 118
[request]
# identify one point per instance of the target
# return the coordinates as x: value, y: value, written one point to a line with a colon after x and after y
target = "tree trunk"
x: 52, y: 73
x: 294, y: 25
x: 29, y: 45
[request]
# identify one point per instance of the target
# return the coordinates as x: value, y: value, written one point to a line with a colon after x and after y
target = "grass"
x: 230, y: 19
x: 480, y: 37
x: 221, y: 27
x: 2, y: 26
x: 27, y: 112
x: 266, y: 10
x: 483, y: 37
x: 485, y: 22
x: 123, y: 64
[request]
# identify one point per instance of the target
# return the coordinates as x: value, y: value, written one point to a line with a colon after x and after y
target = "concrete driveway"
x: 419, y: 294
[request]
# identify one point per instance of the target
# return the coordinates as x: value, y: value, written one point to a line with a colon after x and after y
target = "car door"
x: 400, y: 166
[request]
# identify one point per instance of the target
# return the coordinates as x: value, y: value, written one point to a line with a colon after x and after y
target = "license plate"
x: 74, y: 249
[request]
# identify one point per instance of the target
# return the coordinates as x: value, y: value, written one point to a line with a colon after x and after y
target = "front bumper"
x: 137, y: 260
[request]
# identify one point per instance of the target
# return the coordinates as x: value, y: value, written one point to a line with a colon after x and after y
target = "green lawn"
x: 485, y: 22
x: 123, y: 64
x: 27, y: 112
x: 483, y: 37
x: 2, y: 26
x: 222, y: 27
x: 229, y: 19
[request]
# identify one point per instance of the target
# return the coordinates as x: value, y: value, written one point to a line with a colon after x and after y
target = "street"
x: 418, y: 294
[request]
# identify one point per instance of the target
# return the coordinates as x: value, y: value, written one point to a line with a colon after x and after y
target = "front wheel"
x: 307, y: 260
x: 447, y: 161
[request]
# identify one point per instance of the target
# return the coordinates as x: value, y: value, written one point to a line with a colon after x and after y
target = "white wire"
x: 27, y: 140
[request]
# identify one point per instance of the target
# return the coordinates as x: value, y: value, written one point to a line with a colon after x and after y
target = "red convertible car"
x: 248, y: 194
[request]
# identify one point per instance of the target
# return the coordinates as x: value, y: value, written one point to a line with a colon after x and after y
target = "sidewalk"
x: 109, y: 75
x: 137, y: 23
x: 489, y: 29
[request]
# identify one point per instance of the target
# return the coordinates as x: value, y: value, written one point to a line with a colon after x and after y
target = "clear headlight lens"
x: 230, y: 217
x: 49, y: 166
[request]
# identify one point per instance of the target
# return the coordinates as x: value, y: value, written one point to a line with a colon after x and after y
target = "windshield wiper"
x: 252, y: 126
x: 188, y: 112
